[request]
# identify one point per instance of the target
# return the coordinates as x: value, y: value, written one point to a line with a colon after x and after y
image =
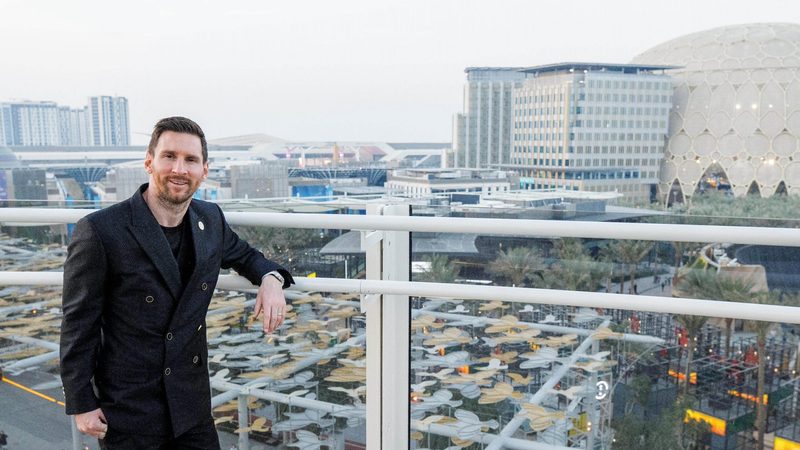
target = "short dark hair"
x: 178, y: 125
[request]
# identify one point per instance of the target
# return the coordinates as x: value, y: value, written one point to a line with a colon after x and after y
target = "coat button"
x: 167, y: 371
x: 169, y: 336
x: 195, y: 359
x: 149, y: 299
x: 204, y: 286
x: 199, y: 327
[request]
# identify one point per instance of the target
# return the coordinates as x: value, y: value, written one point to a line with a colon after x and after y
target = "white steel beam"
x: 690, y: 306
x: 789, y: 237
x: 396, y: 344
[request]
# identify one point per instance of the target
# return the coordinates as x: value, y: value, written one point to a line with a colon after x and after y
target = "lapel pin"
x: 200, y: 225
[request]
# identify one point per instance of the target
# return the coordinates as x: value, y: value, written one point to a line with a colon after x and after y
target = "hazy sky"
x: 322, y: 69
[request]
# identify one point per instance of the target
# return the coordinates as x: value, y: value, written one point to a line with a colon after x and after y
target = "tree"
x: 631, y: 253
x: 441, y: 270
x: 281, y: 245
x: 575, y: 269
x: 518, y: 264
x: 762, y: 330
x: 693, y: 284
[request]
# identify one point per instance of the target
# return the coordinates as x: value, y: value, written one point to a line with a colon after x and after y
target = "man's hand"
x: 92, y: 423
x: 271, y: 301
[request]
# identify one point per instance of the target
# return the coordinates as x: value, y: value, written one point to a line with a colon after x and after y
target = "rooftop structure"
x: 735, y: 122
x: 587, y: 126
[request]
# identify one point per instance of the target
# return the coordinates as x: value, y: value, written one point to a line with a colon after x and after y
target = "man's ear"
x: 148, y: 162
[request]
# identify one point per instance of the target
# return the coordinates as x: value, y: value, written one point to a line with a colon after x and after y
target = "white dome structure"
x: 735, y: 119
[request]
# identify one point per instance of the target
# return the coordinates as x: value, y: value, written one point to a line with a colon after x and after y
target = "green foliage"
x: 441, y: 270
x: 715, y: 208
x: 518, y: 264
x: 574, y: 270
x: 282, y: 245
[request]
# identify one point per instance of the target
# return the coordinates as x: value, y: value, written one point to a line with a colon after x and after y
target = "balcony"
x: 386, y: 360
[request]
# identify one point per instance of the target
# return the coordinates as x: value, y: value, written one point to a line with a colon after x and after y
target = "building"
x: 73, y: 127
x: 108, y: 121
x: 591, y: 127
x: 104, y: 122
x: 482, y: 132
x: 735, y: 121
x: 30, y: 123
x: 427, y: 182
x: 260, y: 180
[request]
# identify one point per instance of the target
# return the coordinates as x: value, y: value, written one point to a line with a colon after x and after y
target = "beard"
x: 165, y: 195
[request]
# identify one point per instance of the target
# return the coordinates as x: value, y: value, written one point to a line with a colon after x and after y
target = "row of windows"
x: 540, y: 111
x: 629, y: 162
x: 614, y: 123
x: 605, y: 137
x: 616, y: 98
x: 630, y: 149
x: 525, y: 98
x: 628, y: 84
x: 622, y: 110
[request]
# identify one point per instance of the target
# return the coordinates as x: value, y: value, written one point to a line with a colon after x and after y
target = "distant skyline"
x: 322, y: 70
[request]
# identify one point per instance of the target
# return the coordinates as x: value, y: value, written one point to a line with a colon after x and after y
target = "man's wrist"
x: 274, y: 274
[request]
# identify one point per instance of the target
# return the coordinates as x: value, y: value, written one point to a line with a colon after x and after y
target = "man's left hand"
x: 271, y: 301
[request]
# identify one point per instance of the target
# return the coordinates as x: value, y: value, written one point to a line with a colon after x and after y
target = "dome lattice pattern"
x: 736, y: 108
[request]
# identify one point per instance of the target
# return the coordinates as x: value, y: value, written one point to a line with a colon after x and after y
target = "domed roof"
x: 749, y: 46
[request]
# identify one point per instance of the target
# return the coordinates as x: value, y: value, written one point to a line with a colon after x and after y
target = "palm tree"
x: 762, y: 330
x: 517, y: 264
x: 697, y: 283
x: 441, y: 270
x: 575, y: 270
x: 632, y: 253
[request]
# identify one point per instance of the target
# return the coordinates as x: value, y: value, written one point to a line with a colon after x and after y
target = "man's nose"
x: 179, y: 166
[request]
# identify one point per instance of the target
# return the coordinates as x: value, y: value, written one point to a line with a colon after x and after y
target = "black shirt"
x: 180, y: 242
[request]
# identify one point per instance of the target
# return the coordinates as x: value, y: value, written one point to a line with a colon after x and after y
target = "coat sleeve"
x: 83, y: 298
x: 245, y: 260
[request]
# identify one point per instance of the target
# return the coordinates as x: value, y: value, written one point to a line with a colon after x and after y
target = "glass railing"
x: 492, y: 373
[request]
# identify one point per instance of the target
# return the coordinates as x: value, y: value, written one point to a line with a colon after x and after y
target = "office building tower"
x: 482, y: 132
x: 108, y: 120
x: 73, y: 127
x: 29, y: 123
x: 595, y: 127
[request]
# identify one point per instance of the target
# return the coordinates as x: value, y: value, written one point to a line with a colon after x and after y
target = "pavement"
x: 36, y: 423
x: 648, y: 285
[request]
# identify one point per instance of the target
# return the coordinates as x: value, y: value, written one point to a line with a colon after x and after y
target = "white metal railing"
x: 386, y: 289
x: 789, y: 237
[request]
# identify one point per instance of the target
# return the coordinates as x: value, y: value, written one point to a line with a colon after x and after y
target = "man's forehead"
x: 172, y: 140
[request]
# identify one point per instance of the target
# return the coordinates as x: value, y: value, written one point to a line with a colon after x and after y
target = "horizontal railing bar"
x: 669, y: 305
x: 789, y: 237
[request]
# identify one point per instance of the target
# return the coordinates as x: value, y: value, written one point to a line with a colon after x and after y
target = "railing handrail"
x: 789, y: 237
x: 689, y: 306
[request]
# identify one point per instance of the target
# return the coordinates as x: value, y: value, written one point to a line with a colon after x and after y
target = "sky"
x: 322, y: 70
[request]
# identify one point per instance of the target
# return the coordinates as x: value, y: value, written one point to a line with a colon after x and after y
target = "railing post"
x: 76, y: 435
x: 396, y: 326
x: 244, y: 421
x: 373, y: 307
x: 388, y: 322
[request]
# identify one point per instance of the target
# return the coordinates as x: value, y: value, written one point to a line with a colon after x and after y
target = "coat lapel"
x: 148, y: 234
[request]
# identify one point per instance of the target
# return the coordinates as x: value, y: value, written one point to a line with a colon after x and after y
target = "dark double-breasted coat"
x: 133, y: 339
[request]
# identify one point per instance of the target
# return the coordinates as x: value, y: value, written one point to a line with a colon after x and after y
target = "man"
x: 138, y: 279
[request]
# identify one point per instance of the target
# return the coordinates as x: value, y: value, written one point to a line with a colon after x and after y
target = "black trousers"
x: 201, y: 437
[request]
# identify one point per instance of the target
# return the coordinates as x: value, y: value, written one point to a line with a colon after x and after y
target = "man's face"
x: 176, y: 167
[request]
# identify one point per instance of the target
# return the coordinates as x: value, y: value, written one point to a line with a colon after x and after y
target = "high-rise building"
x: 482, y: 132
x: 73, y: 128
x: 108, y: 120
x: 29, y: 123
x: 595, y: 127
